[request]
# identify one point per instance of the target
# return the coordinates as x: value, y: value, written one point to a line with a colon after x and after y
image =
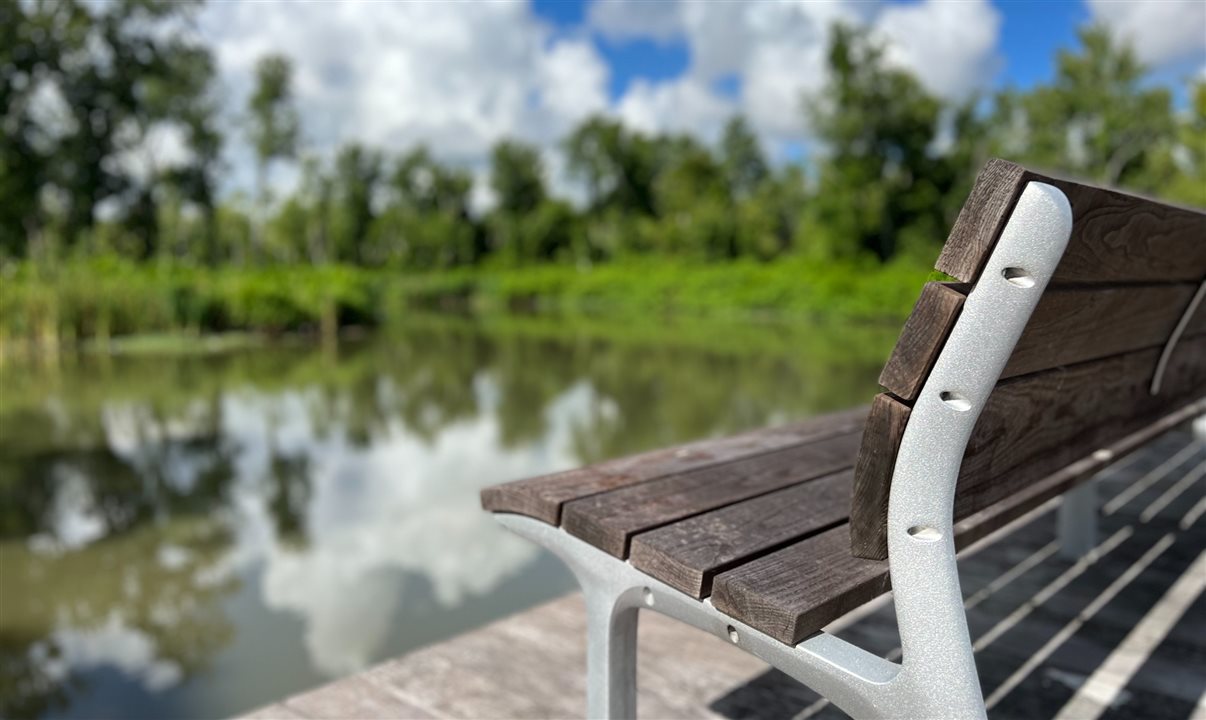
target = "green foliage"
x: 669, y: 223
x: 83, y: 85
x: 103, y: 298
x: 880, y: 184
x: 745, y: 165
x: 517, y: 177
x: 1096, y: 119
x: 275, y: 125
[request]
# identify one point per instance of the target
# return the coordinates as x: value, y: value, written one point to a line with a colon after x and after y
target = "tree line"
x: 91, y: 90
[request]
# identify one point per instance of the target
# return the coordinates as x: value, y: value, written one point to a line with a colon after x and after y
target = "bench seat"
x: 757, y: 522
x: 1071, y: 336
x: 706, y: 517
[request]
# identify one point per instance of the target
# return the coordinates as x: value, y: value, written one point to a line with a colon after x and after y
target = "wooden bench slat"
x: 921, y: 339
x: 542, y: 497
x: 873, y: 476
x: 688, y: 554
x: 1030, y: 427
x: 609, y: 520
x: 1035, y: 424
x: 981, y: 523
x: 1070, y: 325
x: 1078, y: 324
x: 1115, y: 237
x: 981, y: 219
x: 794, y: 592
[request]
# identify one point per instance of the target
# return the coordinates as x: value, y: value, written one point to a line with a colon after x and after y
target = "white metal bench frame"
x: 937, y: 674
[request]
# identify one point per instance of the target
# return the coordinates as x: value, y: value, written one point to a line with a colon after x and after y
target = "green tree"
x: 880, y: 184
x: 618, y: 166
x: 357, y: 172
x: 1096, y: 119
x: 274, y: 125
x: 1187, y: 171
x: 517, y: 177
x: 85, y: 85
x: 694, y: 203
x: 744, y: 162
x: 426, y: 223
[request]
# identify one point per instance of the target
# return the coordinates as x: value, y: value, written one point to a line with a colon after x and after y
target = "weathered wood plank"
x: 1078, y: 324
x: 1116, y: 237
x: 533, y: 665
x: 876, y: 459
x: 981, y: 219
x: 688, y: 554
x: 794, y: 592
x: 1071, y: 324
x: 609, y: 520
x: 355, y: 697
x: 922, y: 339
x: 1034, y: 425
x: 981, y: 523
x: 543, y: 497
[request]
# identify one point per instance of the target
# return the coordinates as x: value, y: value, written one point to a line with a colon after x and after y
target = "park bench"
x: 1071, y: 337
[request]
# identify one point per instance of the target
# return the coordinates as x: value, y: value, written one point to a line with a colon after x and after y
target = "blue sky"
x: 1031, y: 33
x: 459, y: 77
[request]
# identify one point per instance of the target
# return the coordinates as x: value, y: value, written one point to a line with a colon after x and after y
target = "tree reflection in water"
x: 172, y: 526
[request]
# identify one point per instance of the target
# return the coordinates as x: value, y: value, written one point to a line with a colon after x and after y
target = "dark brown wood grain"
x: 876, y: 458
x: 1118, y: 237
x: 1071, y: 324
x: 1115, y: 238
x: 981, y: 219
x: 609, y: 520
x: 1034, y: 425
x: 1077, y: 324
x: 976, y: 526
x: 687, y: 554
x: 794, y: 592
x: 922, y: 338
x: 543, y: 497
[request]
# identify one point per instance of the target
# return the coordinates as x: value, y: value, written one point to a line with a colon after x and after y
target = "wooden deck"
x: 1120, y: 634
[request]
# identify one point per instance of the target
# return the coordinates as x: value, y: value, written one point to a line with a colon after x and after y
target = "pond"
x: 195, y: 535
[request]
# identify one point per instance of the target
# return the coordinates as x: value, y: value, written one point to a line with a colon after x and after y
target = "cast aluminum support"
x: 937, y: 674
x: 1078, y: 521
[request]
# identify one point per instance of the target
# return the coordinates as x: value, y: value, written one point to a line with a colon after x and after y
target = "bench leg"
x: 611, y: 642
x: 1078, y: 521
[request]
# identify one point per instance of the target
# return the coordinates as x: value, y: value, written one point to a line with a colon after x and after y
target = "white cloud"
x: 685, y: 105
x: 375, y: 518
x: 776, y: 51
x: 455, y: 77
x: 950, y: 46
x: 622, y: 19
x: 1166, y: 31
x: 460, y: 77
x: 112, y: 643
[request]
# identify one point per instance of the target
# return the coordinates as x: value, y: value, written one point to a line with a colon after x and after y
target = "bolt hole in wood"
x: 1017, y: 276
x: 733, y: 634
x: 955, y: 400
x: 925, y: 533
x: 647, y: 594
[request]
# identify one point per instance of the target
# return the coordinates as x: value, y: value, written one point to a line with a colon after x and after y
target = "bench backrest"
x: 1078, y: 388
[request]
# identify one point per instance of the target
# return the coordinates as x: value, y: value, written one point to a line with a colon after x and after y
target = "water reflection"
x: 196, y: 535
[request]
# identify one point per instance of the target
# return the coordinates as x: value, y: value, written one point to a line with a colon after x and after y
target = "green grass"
x: 102, y: 299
